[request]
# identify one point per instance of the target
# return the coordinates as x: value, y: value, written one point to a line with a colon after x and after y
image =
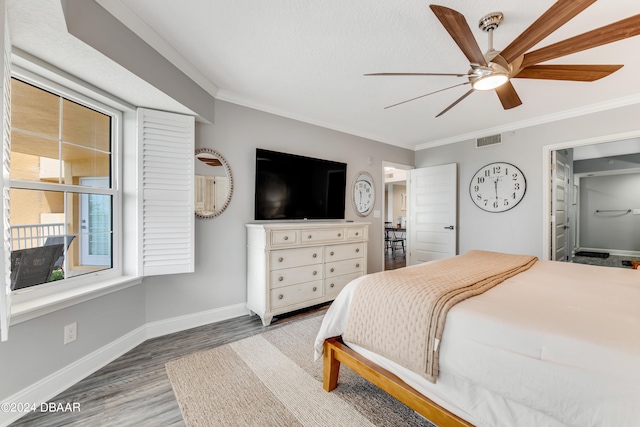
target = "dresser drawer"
x: 291, y: 276
x: 295, y: 294
x: 339, y: 268
x: 288, y: 258
x: 341, y: 252
x: 284, y: 237
x: 323, y: 235
x: 333, y: 285
x: 356, y: 233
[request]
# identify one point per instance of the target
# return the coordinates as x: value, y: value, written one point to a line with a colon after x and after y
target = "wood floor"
x: 134, y: 390
x: 392, y: 262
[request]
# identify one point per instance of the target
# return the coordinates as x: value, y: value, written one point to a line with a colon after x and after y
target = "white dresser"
x: 295, y: 265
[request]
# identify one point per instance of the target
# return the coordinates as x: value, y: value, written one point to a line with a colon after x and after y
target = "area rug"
x: 271, y: 380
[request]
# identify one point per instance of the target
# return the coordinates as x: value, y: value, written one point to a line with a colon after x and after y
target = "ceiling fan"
x: 494, y: 69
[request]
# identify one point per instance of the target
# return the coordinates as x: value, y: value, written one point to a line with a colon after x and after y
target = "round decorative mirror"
x: 213, y: 183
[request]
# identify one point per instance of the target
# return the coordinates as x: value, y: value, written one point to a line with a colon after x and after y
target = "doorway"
x: 394, y: 197
x: 600, y: 222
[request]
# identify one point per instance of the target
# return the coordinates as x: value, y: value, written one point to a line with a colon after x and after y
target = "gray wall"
x: 220, y: 275
x: 610, y: 230
x: 35, y: 348
x: 518, y: 230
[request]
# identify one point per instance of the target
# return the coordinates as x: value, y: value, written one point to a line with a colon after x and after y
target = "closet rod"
x: 614, y: 210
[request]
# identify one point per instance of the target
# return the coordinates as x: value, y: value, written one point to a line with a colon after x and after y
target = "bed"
x: 555, y: 345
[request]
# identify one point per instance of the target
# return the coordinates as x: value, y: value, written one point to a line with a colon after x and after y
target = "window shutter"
x: 167, y: 144
x: 5, y: 261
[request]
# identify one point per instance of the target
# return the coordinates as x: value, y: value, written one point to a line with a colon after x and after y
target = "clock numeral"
x: 514, y: 176
x: 513, y: 196
x: 495, y: 204
x: 496, y: 169
x: 506, y: 202
x: 486, y: 201
x: 479, y: 196
x: 476, y: 188
x: 516, y: 186
x: 480, y: 179
x: 487, y: 172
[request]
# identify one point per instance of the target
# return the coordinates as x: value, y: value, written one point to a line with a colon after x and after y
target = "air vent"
x: 489, y: 140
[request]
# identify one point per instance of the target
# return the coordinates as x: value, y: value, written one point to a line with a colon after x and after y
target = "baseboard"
x: 52, y: 385
x: 181, y: 323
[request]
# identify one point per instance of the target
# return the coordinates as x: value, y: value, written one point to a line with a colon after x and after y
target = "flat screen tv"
x: 292, y: 187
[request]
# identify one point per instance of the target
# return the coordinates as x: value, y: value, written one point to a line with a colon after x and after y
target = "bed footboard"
x: 336, y: 352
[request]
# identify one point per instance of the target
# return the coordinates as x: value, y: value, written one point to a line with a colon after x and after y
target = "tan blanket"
x: 400, y: 314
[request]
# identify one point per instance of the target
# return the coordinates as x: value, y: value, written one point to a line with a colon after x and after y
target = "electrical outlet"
x: 636, y: 211
x: 70, y: 333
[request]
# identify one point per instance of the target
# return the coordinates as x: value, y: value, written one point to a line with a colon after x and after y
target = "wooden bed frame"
x: 336, y: 352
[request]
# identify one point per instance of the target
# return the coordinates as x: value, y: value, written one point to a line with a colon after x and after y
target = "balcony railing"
x: 32, y: 235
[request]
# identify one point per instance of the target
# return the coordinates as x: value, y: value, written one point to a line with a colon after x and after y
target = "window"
x: 63, y: 194
x: 69, y: 180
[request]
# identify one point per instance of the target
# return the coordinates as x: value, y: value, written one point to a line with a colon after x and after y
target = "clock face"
x: 364, y: 195
x: 497, y: 187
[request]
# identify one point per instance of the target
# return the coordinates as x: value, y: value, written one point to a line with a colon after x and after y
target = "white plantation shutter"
x: 5, y: 261
x: 167, y: 143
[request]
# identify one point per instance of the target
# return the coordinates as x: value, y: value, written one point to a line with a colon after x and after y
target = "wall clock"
x: 364, y: 193
x: 497, y: 187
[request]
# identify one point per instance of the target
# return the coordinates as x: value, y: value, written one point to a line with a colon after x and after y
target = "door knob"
x: 451, y: 227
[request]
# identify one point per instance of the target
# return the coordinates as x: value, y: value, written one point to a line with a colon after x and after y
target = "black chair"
x: 33, y: 266
x: 397, y: 238
x: 387, y: 236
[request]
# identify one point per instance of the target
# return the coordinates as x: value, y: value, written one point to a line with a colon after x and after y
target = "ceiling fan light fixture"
x: 490, y: 82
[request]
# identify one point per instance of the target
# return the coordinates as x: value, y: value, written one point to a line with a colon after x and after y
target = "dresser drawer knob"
x: 357, y: 234
x: 280, y: 279
x: 339, y: 234
x: 286, y: 237
x: 315, y: 289
x: 280, y: 296
x: 357, y: 250
x: 331, y: 253
x: 357, y: 265
x: 315, y: 273
x: 331, y: 285
x: 315, y: 255
x: 332, y: 270
x: 309, y: 236
x: 280, y: 259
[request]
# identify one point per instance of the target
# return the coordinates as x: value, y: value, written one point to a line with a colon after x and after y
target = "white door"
x: 95, y: 224
x: 559, y: 215
x: 432, y: 227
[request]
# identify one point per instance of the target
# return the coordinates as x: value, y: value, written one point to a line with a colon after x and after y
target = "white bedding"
x: 557, y: 345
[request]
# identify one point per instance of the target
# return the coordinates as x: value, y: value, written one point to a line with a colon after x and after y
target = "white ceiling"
x: 306, y: 60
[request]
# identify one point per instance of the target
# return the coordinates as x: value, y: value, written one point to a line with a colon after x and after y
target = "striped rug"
x: 271, y: 380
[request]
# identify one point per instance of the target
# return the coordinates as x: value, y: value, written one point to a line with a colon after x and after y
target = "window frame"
x: 37, y: 300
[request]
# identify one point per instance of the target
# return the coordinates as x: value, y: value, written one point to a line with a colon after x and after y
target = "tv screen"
x: 289, y: 187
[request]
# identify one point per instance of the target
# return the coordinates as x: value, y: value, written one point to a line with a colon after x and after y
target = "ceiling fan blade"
x: 459, y: 30
x: 555, y: 17
x: 619, y: 30
x: 427, y: 94
x: 580, y: 73
x: 508, y: 96
x: 419, y: 74
x: 457, y: 101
